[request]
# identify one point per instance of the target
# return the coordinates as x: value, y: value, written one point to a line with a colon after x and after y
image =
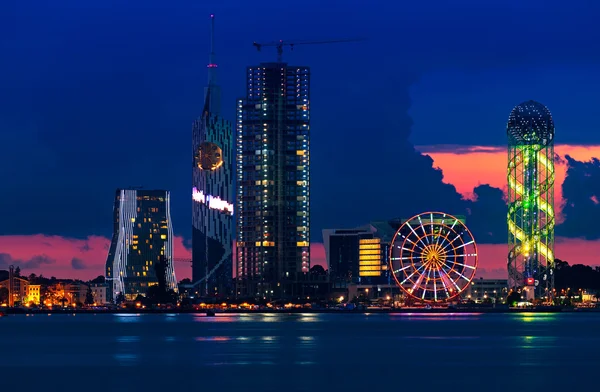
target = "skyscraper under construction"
x: 273, y: 180
x: 212, y: 199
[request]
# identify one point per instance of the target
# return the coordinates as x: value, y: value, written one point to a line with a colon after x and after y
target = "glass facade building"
x: 212, y: 196
x: 273, y: 180
x: 143, y: 236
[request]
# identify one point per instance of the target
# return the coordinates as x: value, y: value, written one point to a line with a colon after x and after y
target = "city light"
x: 531, y: 219
x: 213, y: 202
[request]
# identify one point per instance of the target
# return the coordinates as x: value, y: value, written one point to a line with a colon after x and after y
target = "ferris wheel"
x: 433, y: 257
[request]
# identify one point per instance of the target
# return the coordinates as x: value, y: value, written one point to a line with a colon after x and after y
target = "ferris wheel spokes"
x: 436, y: 265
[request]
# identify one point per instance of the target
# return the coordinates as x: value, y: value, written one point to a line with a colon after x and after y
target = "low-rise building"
x: 75, y: 292
x: 33, y: 294
x: 482, y: 290
x: 99, y: 292
x: 18, y: 289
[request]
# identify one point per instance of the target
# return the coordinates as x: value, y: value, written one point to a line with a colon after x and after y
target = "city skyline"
x: 146, y: 93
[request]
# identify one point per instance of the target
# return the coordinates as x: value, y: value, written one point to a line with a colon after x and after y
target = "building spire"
x: 212, y: 63
x: 212, y: 94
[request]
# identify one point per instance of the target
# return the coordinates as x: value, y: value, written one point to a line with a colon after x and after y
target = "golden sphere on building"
x: 209, y: 156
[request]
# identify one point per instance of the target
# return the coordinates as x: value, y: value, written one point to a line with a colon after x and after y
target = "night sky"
x: 96, y: 95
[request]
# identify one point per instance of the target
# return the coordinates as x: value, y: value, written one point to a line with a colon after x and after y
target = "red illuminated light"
x: 529, y: 281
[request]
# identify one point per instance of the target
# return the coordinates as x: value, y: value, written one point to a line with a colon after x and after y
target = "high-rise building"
x: 531, y: 221
x: 273, y: 180
x: 142, y: 237
x: 212, y: 198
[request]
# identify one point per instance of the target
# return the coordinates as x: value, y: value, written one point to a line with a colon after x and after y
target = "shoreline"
x: 303, y: 311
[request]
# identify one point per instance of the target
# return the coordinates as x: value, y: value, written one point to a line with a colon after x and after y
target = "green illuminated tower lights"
x: 530, y: 217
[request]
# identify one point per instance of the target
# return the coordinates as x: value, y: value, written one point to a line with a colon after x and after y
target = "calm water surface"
x: 303, y: 352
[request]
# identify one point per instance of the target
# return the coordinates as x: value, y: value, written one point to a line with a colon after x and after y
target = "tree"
x: 32, y: 278
x: 159, y: 293
x: 89, y: 297
x: 185, y: 281
x: 161, y: 272
x: 317, y: 270
x: 155, y: 295
x: 120, y: 298
x: 100, y: 280
x: 18, y: 271
x: 513, y: 298
x: 3, y: 295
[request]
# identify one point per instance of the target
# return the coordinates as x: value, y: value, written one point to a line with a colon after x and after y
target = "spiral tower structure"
x: 530, y: 217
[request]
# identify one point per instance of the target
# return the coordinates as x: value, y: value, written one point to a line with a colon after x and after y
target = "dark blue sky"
x: 96, y: 95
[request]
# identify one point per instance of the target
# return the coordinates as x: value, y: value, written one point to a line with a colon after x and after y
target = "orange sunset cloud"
x: 467, y: 167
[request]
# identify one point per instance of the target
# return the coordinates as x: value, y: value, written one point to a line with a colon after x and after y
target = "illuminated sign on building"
x: 213, y: 202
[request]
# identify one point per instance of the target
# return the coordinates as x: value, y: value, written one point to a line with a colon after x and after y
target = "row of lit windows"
x: 369, y: 241
x: 369, y: 273
x: 369, y: 257
x: 370, y: 251
x: 366, y: 246
x: 370, y: 268
x: 376, y: 262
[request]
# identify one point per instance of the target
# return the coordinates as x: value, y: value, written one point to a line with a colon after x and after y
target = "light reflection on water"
x: 126, y: 359
x: 213, y: 338
x: 535, y: 317
x: 345, y: 351
x: 220, y: 318
x: 128, y: 339
x: 127, y: 318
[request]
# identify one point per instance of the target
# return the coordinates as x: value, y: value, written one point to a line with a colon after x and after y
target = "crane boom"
x: 281, y: 43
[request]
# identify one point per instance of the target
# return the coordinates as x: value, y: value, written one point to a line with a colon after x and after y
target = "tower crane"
x: 281, y: 43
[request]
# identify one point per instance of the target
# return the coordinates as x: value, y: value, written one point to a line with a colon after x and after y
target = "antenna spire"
x: 212, y: 63
x: 212, y: 92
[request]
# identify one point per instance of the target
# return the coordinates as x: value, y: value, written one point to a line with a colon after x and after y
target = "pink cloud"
x: 69, y: 257
x: 317, y: 254
x: 466, y: 167
x: 492, y: 257
x: 85, y: 258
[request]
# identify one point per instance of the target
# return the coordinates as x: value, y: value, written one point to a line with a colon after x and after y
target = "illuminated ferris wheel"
x: 433, y: 257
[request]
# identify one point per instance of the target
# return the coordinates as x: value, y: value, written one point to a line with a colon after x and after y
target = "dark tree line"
x: 575, y: 277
